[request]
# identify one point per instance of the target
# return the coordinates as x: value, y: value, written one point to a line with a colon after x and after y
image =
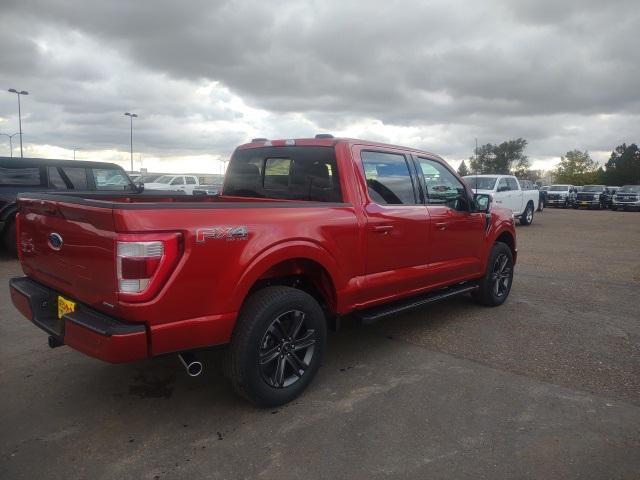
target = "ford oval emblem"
x: 55, y: 241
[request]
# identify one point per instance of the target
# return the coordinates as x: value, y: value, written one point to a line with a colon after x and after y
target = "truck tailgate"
x: 71, y: 248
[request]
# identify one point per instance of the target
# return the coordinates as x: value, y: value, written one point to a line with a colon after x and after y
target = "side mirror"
x: 482, y: 202
x: 139, y: 187
x: 503, y: 189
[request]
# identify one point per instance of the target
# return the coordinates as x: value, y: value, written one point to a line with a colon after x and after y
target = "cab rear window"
x: 287, y: 172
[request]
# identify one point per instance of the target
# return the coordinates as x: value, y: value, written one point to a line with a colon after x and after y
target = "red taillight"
x: 139, y: 268
x: 19, y: 246
x: 144, y: 262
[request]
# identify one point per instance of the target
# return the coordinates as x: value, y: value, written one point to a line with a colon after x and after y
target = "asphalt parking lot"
x: 546, y: 386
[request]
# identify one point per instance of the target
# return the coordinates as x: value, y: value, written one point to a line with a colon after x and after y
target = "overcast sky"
x: 206, y: 75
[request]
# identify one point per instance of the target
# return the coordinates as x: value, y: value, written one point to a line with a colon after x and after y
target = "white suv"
x: 184, y: 183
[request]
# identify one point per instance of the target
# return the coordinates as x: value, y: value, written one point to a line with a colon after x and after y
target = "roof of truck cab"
x: 328, y: 142
x: 17, y: 162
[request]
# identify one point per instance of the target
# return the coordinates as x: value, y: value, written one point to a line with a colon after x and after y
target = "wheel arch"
x: 302, y: 265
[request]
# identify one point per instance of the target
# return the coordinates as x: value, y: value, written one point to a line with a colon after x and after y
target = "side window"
x: 177, y: 181
x: 503, y: 186
x: 67, y: 178
x: 276, y: 173
x: 23, y: 176
x: 190, y: 180
x: 513, y: 185
x: 443, y: 188
x: 111, y: 179
x: 388, y: 178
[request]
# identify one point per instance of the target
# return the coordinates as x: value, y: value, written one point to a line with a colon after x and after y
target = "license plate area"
x: 65, y: 306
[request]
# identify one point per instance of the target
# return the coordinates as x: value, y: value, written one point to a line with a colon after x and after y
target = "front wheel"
x: 527, y: 217
x: 495, y: 286
x: 277, y: 345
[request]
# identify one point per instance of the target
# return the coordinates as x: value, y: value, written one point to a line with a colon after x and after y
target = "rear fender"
x: 280, y: 253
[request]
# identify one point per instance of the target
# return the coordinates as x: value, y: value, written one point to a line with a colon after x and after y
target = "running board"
x: 374, y: 314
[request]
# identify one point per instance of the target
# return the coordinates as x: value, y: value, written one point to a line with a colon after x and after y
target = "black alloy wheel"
x: 286, y: 349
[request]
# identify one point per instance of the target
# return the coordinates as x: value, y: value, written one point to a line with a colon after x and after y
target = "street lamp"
x: 23, y: 92
x: 131, y: 115
x: 74, y: 151
x: 10, y: 141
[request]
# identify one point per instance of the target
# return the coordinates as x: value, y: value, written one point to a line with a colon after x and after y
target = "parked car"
x: 507, y: 192
x: 592, y: 196
x: 612, y: 191
x: 561, y: 196
x: 305, y: 231
x: 19, y: 175
x: 184, y: 183
x: 627, y: 198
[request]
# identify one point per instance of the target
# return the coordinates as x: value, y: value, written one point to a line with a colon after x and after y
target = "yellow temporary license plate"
x: 65, y: 306
x: 583, y: 203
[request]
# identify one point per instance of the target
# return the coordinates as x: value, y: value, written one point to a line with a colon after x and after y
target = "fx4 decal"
x: 227, y: 233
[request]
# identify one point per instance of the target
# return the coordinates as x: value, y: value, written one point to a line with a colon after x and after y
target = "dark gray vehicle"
x: 19, y: 175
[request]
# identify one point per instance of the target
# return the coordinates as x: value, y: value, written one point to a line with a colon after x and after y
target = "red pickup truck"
x: 304, y: 232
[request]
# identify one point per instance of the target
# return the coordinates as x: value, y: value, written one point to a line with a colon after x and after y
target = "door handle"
x: 441, y: 226
x: 384, y: 229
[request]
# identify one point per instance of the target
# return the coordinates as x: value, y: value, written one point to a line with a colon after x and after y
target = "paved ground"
x: 547, y: 386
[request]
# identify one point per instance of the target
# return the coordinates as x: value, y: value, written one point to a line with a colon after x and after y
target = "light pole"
x: 10, y: 137
x: 131, y: 115
x: 74, y: 151
x: 23, y: 92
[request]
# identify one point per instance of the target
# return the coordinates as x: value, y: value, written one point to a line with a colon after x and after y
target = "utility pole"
x: 10, y: 137
x: 131, y: 115
x: 18, y: 93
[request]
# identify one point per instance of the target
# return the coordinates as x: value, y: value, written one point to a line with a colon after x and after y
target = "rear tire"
x: 527, y: 217
x: 495, y: 286
x: 277, y: 345
x: 9, y: 239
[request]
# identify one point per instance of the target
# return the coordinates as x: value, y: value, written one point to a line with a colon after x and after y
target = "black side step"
x: 373, y: 314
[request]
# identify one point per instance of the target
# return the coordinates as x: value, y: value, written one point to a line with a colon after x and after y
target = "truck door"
x: 456, y: 232
x: 516, y: 196
x: 397, y: 227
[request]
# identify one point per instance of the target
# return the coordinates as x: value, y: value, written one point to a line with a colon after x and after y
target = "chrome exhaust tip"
x: 191, y: 364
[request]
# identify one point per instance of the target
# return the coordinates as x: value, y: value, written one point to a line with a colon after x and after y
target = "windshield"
x: 164, y: 179
x: 593, y: 188
x: 480, y: 183
x: 558, y: 188
x: 629, y: 189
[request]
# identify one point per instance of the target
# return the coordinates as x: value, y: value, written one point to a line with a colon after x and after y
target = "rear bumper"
x: 85, y: 330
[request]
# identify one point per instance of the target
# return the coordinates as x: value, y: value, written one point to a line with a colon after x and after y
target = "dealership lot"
x: 547, y: 386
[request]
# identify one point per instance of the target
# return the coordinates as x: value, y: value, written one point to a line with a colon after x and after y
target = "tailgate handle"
x: 441, y: 226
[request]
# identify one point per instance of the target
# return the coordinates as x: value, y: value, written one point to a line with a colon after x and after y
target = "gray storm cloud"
x: 563, y: 75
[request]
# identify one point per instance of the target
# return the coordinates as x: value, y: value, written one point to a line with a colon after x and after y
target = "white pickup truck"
x: 507, y: 193
x: 184, y: 183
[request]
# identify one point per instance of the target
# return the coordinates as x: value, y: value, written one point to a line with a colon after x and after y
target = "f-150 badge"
x: 227, y: 233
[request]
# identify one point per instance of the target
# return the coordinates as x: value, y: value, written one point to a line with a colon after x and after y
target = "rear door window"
x: 190, y: 180
x: 67, y: 178
x: 388, y: 178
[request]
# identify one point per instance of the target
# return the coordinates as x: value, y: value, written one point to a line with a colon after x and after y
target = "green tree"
x: 577, y: 168
x: 463, y: 170
x: 623, y: 166
x: 508, y: 157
